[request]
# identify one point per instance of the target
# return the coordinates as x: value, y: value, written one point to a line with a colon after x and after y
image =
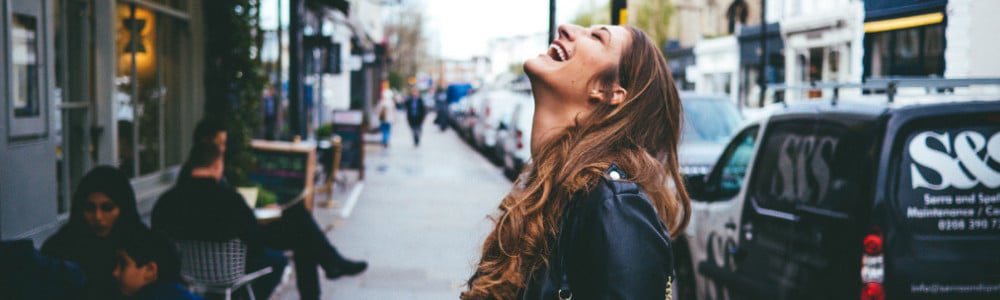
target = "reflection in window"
x: 917, y: 51
x: 140, y: 90
x: 24, y: 65
x: 736, y: 163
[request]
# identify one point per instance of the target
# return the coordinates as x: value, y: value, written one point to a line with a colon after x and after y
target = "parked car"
x: 831, y: 200
x: 495, y: 106
x: 709, y: 122
x: 461, y: 115
x: 516, y: 143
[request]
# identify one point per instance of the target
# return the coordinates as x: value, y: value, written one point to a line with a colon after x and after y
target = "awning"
x: 904, y: 22
x: 876, y: 10
x: 678, y: 59
x: 749, y: 40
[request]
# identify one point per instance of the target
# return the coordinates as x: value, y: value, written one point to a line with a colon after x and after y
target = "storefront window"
x: 147, y: 76
x: 917, y: 51
x: 24, y: 69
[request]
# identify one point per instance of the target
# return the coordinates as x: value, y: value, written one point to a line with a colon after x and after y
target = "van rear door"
x: 940, y: 202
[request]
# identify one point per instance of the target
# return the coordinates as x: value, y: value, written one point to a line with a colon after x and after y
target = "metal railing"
x: 890, y: 85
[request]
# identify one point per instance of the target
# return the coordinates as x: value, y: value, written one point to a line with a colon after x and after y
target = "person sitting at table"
x: 102, y: 212
x: 203, y: 209
x: 208, y: 131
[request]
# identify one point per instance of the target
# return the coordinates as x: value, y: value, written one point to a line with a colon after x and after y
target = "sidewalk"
x: 419, y: 219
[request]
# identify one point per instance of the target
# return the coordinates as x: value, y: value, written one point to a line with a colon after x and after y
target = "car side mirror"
x: 696, y: 186
x: 503, y: 126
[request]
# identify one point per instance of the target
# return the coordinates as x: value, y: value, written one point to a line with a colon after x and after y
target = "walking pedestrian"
x: 441, y: 107
x: 594, y: 215
x: 415, y: 113
x: 386, y: 109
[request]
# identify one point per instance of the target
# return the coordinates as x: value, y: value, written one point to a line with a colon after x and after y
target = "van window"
x: 949, y: 180
x: 804, y: 163
x: 729, y: 178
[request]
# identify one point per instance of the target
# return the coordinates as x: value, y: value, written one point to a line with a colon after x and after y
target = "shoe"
x: 347, y: 267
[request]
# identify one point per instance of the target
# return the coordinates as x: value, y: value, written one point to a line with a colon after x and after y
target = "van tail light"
x: 872, y: 268
x: 517, y: 137
x: 486, y: 112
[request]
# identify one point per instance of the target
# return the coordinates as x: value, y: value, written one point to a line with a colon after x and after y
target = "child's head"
x: 144, y: 259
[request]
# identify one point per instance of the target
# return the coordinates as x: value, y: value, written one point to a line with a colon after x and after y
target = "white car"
x: 516, y: 144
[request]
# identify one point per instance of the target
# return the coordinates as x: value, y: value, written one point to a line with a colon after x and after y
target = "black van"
x: 849, y: 201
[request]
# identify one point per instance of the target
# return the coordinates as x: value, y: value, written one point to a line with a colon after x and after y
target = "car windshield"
x: 710, y: 120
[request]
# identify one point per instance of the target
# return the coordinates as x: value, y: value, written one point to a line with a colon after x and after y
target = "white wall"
x: 714, y: 60
x: 971, y: 37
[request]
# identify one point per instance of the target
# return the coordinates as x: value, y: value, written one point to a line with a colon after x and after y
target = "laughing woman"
x: 592, y: 216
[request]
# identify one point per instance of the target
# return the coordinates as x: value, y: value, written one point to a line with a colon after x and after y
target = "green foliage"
x: 396, y: 80
x: 592, y: 14
x: 234, y: 78
x: 653, y: 17
x: 266, y: 197
x: 324, y: 131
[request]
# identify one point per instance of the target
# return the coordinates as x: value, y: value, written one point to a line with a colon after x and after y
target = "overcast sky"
x: 460, y: 29
x: 463, y: 28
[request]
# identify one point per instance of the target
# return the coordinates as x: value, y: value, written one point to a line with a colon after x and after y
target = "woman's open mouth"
x: 557, y: 52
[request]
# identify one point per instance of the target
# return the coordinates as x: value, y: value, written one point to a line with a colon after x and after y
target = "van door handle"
x: 731, y: 225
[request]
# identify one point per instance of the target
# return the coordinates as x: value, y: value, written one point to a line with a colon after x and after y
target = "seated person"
x: 148, y: 269
x: 30, y: 275
x: 103, y: 210
x: 201, y: 208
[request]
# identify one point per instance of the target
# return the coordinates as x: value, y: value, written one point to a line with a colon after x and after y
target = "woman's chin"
x: 539, y: 67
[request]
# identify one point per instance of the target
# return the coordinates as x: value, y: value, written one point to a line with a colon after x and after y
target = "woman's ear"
x: 618, y: 95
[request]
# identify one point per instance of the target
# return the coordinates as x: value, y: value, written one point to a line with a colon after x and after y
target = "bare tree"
x: 407, y: 44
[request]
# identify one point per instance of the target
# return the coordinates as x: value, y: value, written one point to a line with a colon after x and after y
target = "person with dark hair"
x: 207, y: 131
x: 103, y: 210
x: 415, y: 113
x: 203, y: 209
x: 148, y: 268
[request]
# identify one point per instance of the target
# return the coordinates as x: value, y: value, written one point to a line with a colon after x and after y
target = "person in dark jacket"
x: 29, y: 274
x: 593, y: 214
x: 203, y: 209
x: 148, y: 269
x: 415, y: 113
x: 102, y: 212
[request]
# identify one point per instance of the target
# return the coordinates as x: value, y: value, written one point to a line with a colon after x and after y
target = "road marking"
x: 352, y: 200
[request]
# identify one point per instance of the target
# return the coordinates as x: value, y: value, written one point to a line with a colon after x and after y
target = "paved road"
x: 419, y: 220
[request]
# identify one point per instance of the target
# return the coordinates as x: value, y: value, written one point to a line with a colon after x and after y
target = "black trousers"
x: 298, y: 231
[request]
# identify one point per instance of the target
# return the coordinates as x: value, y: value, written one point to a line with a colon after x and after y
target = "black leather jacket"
x: 612, y: 245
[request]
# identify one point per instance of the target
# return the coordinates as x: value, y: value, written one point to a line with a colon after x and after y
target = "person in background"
x: 102, y: 212
x: 208, y: 130
x: 386, y: 115
x: 203, y: 209
x: 441, y: 107
x: 415, y: 113
x: 148, y: 269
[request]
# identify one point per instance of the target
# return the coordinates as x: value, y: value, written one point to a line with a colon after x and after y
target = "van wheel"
x: 684, y: 287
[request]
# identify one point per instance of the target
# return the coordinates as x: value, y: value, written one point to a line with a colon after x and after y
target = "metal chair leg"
x: 250, y: 292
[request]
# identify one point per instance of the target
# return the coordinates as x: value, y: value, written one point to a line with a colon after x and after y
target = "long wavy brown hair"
x: 640, y: 135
